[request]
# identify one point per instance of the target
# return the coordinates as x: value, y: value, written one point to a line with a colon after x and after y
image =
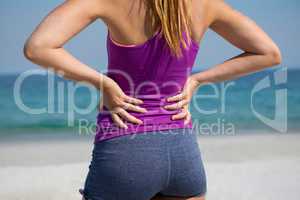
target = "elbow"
x: 32, y: 50
x: 274, y: 56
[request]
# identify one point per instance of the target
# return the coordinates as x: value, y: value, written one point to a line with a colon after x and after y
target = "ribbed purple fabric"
x: 149, y: 72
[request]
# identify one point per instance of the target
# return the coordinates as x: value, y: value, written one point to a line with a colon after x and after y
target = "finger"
x: 100, y: 105
x: 125, y: 115
x: 181, y: 115
x: 133, y: 100
x: 188, y: 118
x: 177, y: 97
x: 177, y: 105
x: 118, y: 121
x: 131, y: 107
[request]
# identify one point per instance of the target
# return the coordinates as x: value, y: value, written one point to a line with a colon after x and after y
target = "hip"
x: 156, y: 162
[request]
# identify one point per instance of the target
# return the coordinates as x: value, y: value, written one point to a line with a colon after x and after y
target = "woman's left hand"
x: 182, y: 100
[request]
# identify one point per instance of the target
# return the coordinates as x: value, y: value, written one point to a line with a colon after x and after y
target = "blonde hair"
x: 174, y: 17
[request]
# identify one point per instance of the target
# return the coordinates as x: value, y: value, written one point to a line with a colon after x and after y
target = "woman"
x: 152, y: 46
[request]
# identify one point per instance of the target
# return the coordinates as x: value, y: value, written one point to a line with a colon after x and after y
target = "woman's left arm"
x: 259, y: 49
x: 259, y: 52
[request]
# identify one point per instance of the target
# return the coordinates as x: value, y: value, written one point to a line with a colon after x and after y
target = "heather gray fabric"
x: 138, y: 167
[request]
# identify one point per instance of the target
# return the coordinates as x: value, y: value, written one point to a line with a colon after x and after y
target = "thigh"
x: 187, y: 175
x: 178, y: 198
x: 102, y: 177
x: 122, y: 171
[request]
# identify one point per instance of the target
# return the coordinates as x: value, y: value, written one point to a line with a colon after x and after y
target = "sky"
x: 18, y: 18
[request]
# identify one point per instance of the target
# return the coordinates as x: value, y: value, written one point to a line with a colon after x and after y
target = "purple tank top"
x: 151, y: 73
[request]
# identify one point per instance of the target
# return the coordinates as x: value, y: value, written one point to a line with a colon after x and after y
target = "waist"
x: 154, y: 104
x: 106, y: 128
x: 155, y: 119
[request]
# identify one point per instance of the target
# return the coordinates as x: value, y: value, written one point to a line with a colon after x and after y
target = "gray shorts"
x: 144, y: 165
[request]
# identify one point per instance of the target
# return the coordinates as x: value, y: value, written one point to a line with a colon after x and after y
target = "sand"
x: 247, y: 167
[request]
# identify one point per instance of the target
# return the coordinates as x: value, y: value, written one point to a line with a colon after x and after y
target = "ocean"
x: 264, y: 101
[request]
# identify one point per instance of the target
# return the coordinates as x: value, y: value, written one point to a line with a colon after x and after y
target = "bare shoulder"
x: 204, y: 11
x: 209, y: 10
x: 93, y: 8
x: 220, y: 10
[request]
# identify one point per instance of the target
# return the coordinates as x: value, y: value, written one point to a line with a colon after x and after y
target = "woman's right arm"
x: 45, y: 48
x: 45, y: 45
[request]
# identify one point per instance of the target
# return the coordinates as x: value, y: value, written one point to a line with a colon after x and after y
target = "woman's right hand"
x: 117, y: 103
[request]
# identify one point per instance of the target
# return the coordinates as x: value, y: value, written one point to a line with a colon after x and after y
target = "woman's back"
x: 144, y: 68
x: 128, y: 20
x: 150, y: 72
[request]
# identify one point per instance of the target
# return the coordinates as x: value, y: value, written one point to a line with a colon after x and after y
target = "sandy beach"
x: 244, y: 167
